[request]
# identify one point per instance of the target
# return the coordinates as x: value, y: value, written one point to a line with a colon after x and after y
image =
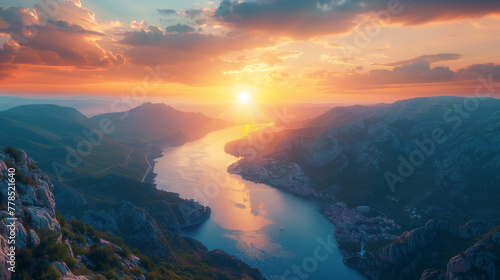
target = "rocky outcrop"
x: 4, y: 250
x: 34, y: 239
x: 481, y: 261
x: 142, y: 230
x: 423, y: 247
x: 66, y: 272
x: 189, y: 213
x: 474, y: 229
x: 34, y: 204
x: 100, y: 220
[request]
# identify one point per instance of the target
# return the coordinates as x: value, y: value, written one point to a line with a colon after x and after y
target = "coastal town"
x: 353, y: 228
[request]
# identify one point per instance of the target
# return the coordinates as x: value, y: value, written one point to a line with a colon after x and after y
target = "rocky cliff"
x: 33, y: 207
x: 416, y: 254
x: 49, y: 247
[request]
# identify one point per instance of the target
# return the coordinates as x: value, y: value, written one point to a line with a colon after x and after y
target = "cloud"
x: 153, y: 46
x: 475, y: 70
x: 313, y: 18
x: 278, y: 77
x: 192, y: 13
x: 274, y: 57
x: 431, y: 59
x: 335, y: 59
x: 413, y: 73
x: 167, y: 11
x: 53, y: 41
x: 179, y: 28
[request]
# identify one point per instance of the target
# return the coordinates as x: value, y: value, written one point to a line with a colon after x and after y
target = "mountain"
x: 69, y: 145
x: 158, y: 124
x: 410, y: 162
x: 50, y: 246
x: 89, y: 107
x: 55, y: 135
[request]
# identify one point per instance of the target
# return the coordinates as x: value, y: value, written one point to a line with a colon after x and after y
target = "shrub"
x: 60, y: 218
x: 77, y: 250
x: 152, y: 276
x: 51, y: 273
x: 9, y: 164
x: 80, y: 238
x: 66, y: 233
x: 110, y: 274
x: 50, y: 246
x: 25, y: 179
x: 13, y: 153
x: 90, y: 230
x: 125, y: 252
x: 104, y: 258
x: 79, y: 225
x: 71, y: 262
x: 83, y: 270
x: 137, y: 271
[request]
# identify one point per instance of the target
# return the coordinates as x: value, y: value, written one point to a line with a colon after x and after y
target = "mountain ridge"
x: 409, y: 162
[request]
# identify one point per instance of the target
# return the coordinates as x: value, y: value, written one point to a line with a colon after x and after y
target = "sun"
x: 244, y: 97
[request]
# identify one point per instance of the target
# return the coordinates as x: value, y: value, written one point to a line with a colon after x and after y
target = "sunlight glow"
x: 244, y: 97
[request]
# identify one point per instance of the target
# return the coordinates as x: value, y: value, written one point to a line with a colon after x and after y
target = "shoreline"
x: 352, y: 228
x: 150, y: 176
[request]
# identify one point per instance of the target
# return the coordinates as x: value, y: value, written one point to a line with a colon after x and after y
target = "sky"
x: 311, y: 51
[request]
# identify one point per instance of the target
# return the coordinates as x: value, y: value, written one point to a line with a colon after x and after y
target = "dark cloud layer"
x: 167, y: 11
x: 413, y: 73
x: 306, y: 18
x: 179, y: 28
x: 153, y: 46
x: 433, y: 58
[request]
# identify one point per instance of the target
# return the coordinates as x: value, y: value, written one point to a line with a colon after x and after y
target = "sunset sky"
x: 340, y: 51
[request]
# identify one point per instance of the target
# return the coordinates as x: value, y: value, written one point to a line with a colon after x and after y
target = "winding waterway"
x: 281, y: 235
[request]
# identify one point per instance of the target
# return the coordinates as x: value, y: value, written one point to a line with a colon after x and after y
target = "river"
x: 266, y: 228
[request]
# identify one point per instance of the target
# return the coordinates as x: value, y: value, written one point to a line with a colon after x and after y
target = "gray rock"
x: 5, y: 274
x: 101, y: 220
x: 431, y: 274
x: 474, y: 229
x: 62, y: 267
x: 21, y: 236
x: 43, y: 218
x: 28, y: 195
x: 34, y: 239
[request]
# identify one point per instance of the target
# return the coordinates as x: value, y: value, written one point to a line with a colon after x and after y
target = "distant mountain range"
x: 414, y: 160
x: 158, y: 124
x: 89, y: 106
x: 89, y: 145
